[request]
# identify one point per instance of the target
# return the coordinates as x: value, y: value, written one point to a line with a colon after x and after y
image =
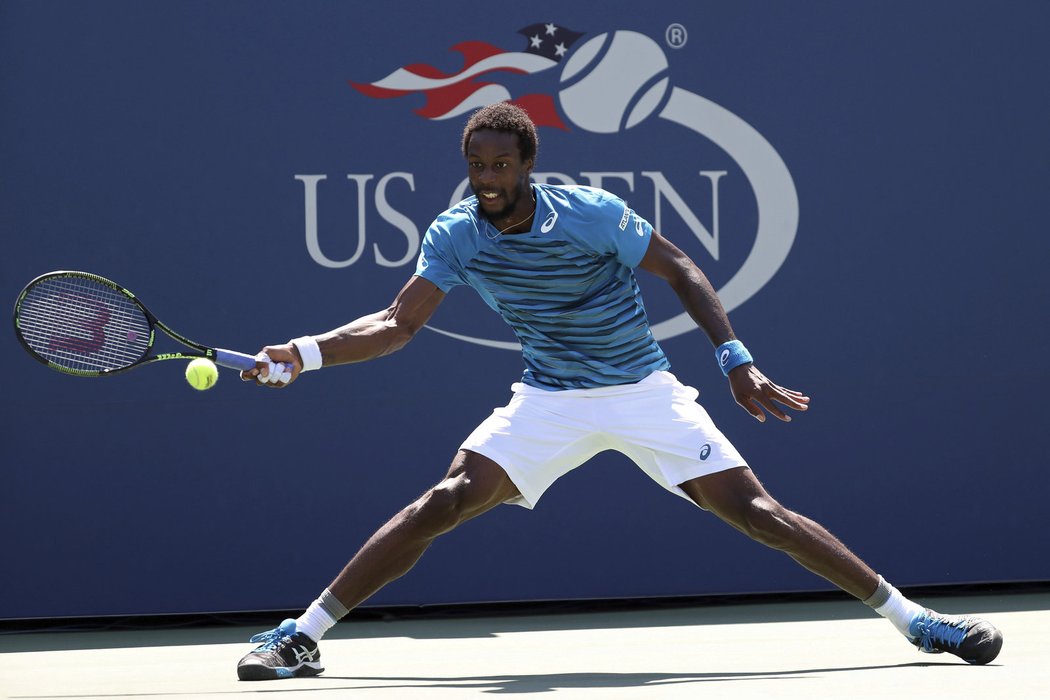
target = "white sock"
x: 888, y: 602
x: 321, y: 616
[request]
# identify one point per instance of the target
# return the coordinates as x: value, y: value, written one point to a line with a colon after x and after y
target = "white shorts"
x: 541, y: 435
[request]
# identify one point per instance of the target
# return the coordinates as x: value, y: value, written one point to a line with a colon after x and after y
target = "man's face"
x: 498, y: 176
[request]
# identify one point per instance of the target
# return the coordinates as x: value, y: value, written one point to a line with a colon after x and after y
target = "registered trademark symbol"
x: 676, y: 36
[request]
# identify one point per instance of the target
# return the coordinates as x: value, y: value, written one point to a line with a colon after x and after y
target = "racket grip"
x: 234, y: 360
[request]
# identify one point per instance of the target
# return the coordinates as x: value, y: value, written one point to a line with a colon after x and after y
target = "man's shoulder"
x: 584, y: 204
x: 465, y: 210
x: 577, y: 195
x: 459, y: 217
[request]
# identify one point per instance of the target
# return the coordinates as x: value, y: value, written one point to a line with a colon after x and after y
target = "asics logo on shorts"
x: 705, y: 452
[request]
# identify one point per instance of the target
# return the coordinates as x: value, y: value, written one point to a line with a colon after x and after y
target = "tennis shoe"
x: 283, y: 653
x: 972, y: 639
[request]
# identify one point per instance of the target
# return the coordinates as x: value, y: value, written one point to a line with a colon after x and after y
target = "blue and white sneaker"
x: 284, y: 653
x: 972, y: 639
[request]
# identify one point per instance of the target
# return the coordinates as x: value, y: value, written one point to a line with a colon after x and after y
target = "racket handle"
x: 234, y: 360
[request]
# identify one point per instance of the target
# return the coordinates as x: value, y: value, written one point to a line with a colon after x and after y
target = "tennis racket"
x: 89, y: 326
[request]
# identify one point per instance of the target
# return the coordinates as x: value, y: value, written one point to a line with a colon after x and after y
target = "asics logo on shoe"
x: 303, y: 654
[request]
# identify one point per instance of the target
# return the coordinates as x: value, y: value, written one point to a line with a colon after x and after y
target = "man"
x: 557, y: 264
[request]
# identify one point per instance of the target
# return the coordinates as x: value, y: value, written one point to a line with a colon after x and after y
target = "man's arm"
x: 751, y: 389
x: 367, y: 337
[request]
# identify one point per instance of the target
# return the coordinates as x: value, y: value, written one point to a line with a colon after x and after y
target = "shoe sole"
x: 259, y: 672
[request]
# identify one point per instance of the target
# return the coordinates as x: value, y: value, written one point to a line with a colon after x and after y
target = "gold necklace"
x: 519, y: 223
x: 531, y: 214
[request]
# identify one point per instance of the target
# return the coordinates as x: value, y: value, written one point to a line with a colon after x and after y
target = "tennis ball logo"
x: 613, y: 82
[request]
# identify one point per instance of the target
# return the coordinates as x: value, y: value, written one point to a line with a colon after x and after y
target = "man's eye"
x: 500, y: 166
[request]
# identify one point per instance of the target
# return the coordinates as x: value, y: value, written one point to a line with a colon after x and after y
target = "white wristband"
x: 309, y: 350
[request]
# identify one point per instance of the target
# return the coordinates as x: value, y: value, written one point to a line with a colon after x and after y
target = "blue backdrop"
x: 865, y: 181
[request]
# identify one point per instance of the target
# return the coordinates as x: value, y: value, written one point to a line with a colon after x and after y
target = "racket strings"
x: 83, y: 325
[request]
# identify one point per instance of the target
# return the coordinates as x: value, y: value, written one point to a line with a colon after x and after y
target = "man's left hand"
x: 754, y: 392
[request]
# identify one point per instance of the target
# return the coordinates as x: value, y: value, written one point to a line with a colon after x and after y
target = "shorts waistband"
x: 657, y: 378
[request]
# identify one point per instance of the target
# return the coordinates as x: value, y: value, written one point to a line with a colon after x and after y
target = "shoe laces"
x: 937, y: 630
x: 270, y: 639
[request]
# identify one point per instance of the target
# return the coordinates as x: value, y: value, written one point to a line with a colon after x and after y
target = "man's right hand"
x: 276, y: 366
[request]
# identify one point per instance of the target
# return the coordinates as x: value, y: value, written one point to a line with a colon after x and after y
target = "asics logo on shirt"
x: 705, y: 452
x: 548, y: 223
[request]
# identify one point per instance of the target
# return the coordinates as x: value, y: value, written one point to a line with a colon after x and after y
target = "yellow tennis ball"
x: 202, y: 374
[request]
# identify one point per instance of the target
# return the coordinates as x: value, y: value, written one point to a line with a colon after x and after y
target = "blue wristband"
x: 731, y: 355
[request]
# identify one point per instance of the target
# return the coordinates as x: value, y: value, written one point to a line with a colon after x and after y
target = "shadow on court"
x: 544, y: 682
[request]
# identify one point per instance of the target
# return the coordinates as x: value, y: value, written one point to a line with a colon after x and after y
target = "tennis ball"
x: 202, y: 374
x: 623, y: 87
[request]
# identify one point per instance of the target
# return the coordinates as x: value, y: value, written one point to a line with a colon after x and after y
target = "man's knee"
x: 473, y: 485
x: 768, y: 522
x: 442, y: 507
x: 737, y: 497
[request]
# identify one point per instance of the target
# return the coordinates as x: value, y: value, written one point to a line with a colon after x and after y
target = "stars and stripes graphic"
x: 477, y: 83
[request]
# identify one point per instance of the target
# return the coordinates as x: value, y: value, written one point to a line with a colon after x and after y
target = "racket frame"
x: 221, y: 357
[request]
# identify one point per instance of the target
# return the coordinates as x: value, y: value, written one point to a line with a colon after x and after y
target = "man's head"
x: 500, y: 145
x: 503, y: 116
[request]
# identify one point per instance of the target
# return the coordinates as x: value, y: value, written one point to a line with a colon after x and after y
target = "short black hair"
x: 503, y: 116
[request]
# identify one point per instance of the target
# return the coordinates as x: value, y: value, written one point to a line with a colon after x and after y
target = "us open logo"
x: 608, y: 84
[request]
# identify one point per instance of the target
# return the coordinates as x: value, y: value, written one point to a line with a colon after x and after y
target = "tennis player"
x: 558, y: 264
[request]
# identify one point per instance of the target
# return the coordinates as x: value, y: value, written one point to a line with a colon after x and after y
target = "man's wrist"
x: 731, y: 355
x: 309, y: 352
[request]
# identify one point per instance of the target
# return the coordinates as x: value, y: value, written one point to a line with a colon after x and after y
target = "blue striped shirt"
x: 566, y: 287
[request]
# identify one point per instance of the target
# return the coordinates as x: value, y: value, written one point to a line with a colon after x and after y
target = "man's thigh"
x: 536, y: 439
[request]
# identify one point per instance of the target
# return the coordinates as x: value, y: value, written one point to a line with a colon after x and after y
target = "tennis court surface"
x: 829, y: 649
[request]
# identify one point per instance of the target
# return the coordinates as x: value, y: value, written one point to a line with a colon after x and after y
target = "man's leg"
x: 737, y: 497
x: 474, y: 484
